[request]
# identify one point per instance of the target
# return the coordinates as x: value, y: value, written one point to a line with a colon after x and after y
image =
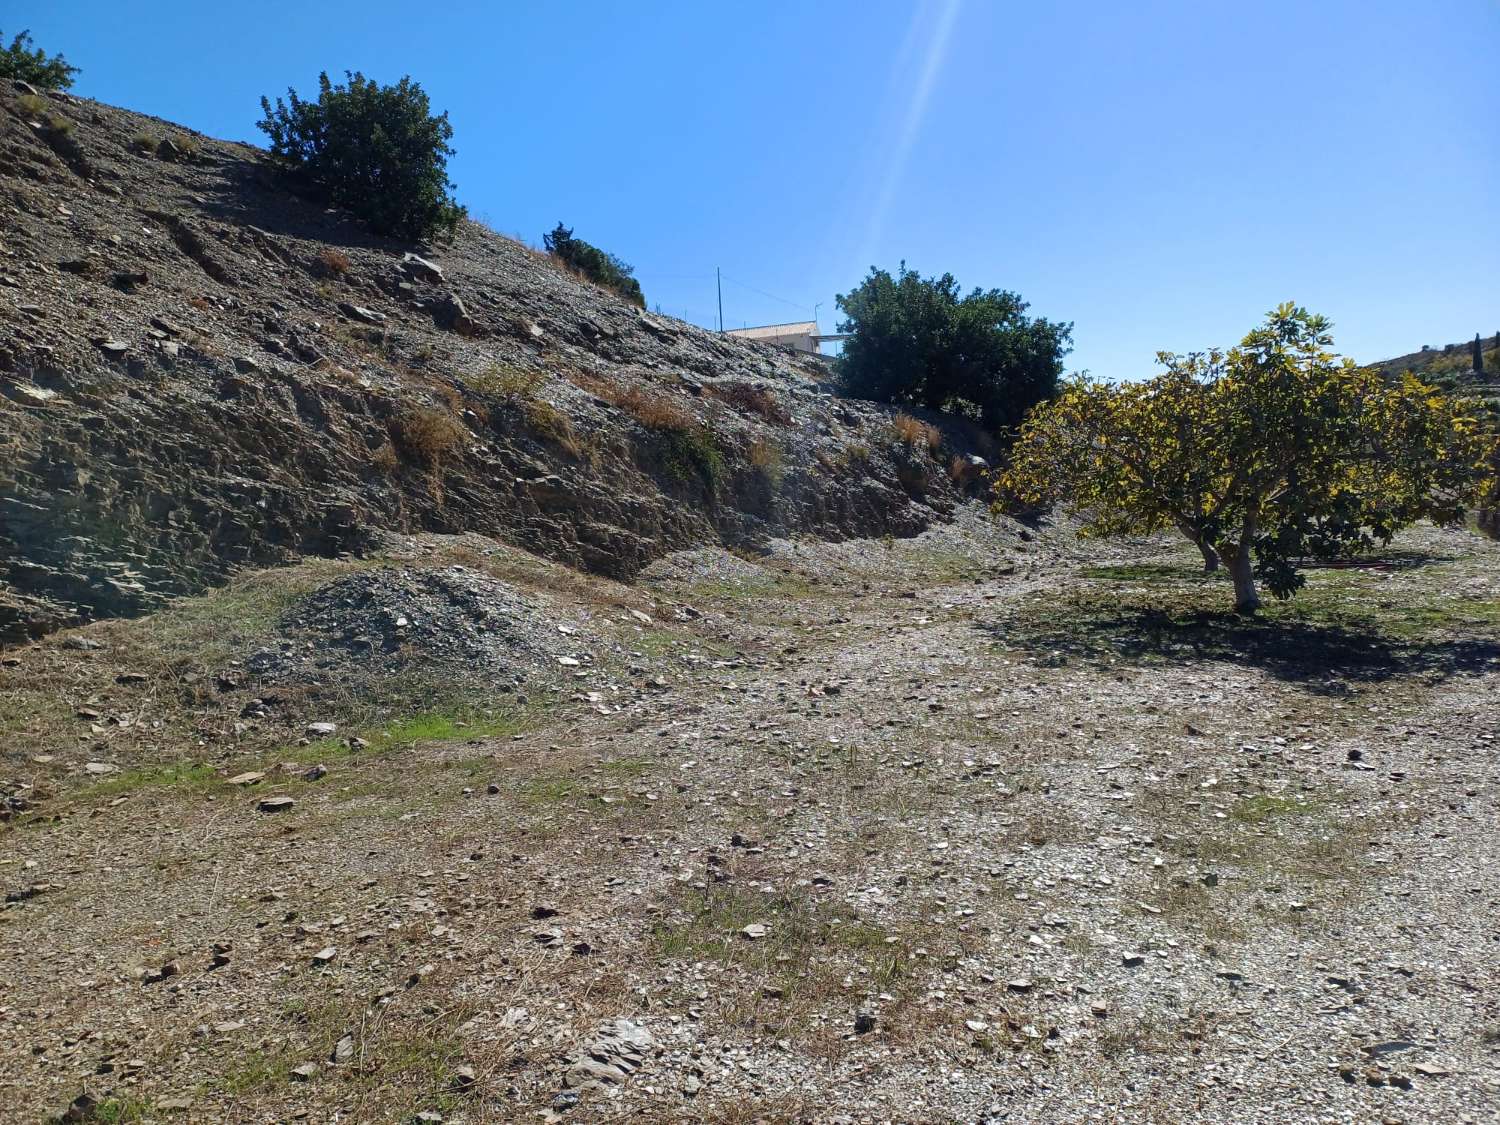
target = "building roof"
x: 767, y: 331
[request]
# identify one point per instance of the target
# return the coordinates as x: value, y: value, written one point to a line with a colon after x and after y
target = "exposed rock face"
x: 274, y: 381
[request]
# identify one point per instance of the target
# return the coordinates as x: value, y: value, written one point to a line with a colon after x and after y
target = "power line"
x: 763, y: 293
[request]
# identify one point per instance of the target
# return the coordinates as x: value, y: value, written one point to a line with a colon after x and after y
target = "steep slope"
x: 199, y: 370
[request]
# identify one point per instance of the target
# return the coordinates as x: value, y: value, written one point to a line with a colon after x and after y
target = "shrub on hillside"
x: 426, y: 436
x: 917, y: 341
x: 23, y: 61
x: 376, y: 150
x: 599, y: 267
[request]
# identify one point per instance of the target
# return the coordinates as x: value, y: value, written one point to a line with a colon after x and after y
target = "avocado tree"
x: 1262, y: 456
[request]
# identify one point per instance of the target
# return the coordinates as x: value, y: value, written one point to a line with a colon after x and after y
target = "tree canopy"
x: 25, y: 61
x: 919, y: 341
x: 1270, y: 453
x: 593, y: 263
x: 377, y: 150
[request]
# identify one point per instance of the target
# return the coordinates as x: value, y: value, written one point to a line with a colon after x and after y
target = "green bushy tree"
x: 28, y: 63
x: 1265, y: 455
x: 919, y: 341
x: 593, y: 263
x: 378, y: 151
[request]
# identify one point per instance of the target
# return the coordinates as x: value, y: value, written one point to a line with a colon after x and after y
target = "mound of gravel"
x: 450, y: 617
x: 703, y: 564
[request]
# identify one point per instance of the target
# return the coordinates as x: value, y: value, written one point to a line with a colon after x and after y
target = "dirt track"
x: 960, y: 828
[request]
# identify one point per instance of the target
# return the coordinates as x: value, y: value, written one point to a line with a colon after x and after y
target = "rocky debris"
x: 361, y: 314
x: 618, y: 1050
x: 81, y: 1108
x: 448, y: 617
x: 275, y: 804
x: 420, y: 269
x: 451, y: 313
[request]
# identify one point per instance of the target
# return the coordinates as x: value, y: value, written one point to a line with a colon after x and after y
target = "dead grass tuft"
x: 427, y: 436
x: 749, y: 399
x: 333, y: 262
x: 913, y: 432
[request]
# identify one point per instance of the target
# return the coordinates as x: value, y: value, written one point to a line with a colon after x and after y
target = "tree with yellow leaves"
x: 1264, y: 455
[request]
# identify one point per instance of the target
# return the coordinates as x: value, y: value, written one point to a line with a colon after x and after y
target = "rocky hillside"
x: 199, y: 371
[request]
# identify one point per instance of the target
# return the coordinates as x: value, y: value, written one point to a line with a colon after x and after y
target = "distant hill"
x: 1450, y: 365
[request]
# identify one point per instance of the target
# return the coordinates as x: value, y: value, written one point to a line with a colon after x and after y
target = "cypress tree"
x: 1478, y: 355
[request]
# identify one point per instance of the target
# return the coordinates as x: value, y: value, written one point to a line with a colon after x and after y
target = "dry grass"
x: 507, y: 382
x: 385, y: 458
x: 749, y: 399
x: 651, y: 409
x: 765, y: 457
x: 427, y: 436
x: 913, y: 432
x: 519, y: 386
x: 963, y: 472
x: 333, y: 262
x: 552, y: 425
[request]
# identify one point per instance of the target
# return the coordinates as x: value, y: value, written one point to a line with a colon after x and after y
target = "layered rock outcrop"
x: 199, y: 370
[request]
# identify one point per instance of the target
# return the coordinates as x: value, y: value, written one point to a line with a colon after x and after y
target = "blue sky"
x: 1158, y: 173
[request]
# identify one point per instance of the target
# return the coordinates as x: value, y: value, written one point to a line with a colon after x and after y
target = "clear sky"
x: 1160, y: 173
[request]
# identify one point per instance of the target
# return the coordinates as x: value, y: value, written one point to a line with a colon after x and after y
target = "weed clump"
x: 426, y: 436
x: 913, y: 433
x: 749, y: 399
x: 333, y: 262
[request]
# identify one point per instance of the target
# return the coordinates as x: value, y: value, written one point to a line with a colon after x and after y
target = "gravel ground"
x: 989, y: 824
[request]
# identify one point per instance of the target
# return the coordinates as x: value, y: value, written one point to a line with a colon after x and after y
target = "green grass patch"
x: 549, y: 790
x: 182, y: 776
x: 1265, y: 806
x: 429, y: 726
x: 122, y: 1111
x: 776, y: 587
x: 1144, y: 572
x: 627, y: 767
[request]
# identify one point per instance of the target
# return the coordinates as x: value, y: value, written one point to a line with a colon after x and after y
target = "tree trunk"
x: 1246, y: 600
x: 1210, y: 556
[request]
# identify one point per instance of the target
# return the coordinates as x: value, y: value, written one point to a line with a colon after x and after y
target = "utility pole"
x: 720, y: 283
